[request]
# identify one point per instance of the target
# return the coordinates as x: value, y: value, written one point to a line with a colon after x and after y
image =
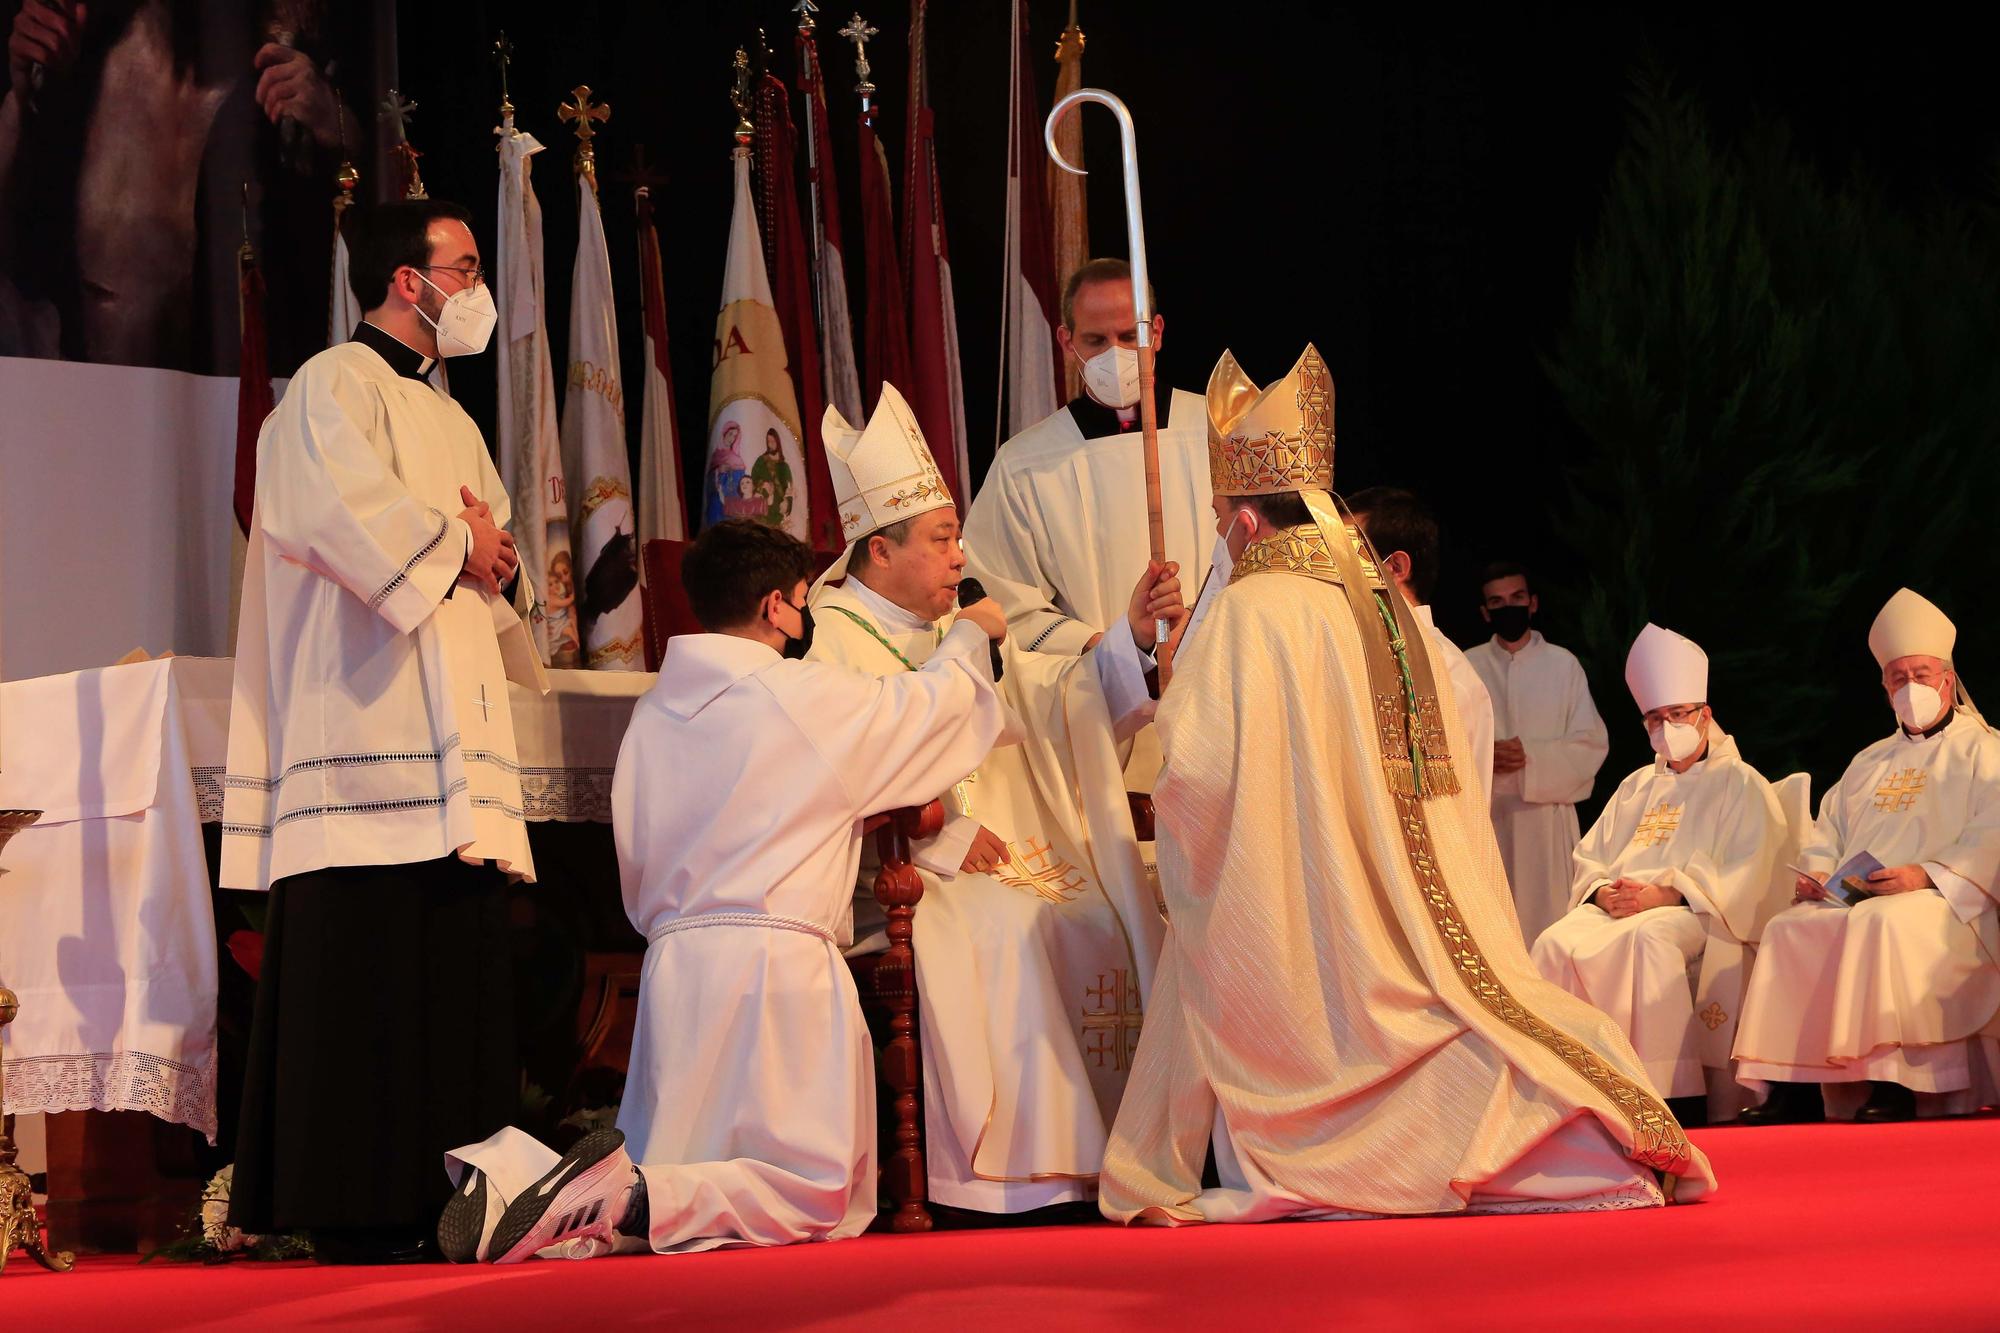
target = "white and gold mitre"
x: 1910, y: 625
x: 1664, y: 669
x: 1277, y: 439
x: 883, y: 472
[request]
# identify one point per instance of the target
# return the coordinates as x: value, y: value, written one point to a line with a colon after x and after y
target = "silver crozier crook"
x: 1135, y: 234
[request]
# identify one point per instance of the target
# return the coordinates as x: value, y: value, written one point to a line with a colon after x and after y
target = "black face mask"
x: 1510, y: 622
x: 797, y: 648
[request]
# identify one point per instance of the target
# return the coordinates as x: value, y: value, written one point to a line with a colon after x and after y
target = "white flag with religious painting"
x: 603, y: 529
x: 755, y: 467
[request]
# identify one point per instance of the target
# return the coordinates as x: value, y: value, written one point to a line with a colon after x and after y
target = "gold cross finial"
x: 805, y: 9
x: 858, y: 32
x: 580, y: 111
x: 739, y: 97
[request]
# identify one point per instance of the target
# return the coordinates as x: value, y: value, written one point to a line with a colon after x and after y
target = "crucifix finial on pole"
x: 580, y: 111
x: 503, y: 56
x: 739, y: 97
x: 858, y: 32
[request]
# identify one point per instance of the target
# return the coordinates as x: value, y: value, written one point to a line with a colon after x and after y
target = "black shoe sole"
x: 525, y: 1213
x: 463, y: 1218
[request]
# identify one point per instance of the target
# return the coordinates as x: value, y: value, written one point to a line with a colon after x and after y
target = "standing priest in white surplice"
x: 1685, y: 862
x: 1060, y: 523
x: 372, y: 784
x: 1902, y: 989
x: 1037, y: 931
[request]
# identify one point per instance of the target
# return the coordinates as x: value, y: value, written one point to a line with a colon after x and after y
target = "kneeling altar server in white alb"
x: 1344, y: 1006
x: 372, y: 784
x: 1038, y: 926
x: 1902, y: 989
x: 1685, y: 863
x: 738, y: 805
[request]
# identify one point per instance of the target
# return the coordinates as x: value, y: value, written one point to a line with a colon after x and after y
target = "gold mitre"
x: 1275, y: 440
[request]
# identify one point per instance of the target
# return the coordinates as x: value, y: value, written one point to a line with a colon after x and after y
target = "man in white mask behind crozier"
x: 1060, y: 521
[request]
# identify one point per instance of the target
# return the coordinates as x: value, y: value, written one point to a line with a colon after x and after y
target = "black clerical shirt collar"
x: 1950, y: 717
x: 404, y: 359
x: 1096, y: 420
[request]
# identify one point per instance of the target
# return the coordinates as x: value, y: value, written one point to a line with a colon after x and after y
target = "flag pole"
x: 1135, y: 234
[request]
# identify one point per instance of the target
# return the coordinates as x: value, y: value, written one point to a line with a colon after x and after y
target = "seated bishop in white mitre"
x: 1684, y: 865
x: 1038, y: 928
x: 1903, y: 988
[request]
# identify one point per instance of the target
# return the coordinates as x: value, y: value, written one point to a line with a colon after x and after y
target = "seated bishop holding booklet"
x: 1889, y: 1007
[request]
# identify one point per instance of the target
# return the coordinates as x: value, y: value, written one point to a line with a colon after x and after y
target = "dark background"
x: 1408, y: 190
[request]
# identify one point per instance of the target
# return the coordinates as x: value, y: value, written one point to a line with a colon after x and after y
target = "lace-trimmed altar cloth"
x: 107, y: 932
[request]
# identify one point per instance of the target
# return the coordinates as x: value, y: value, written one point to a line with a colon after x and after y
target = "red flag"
x: 1031, y: 307
x: 662, y: 505
x: 886, y: 340
x: 791, y: 290
x: 836, y: 330
x: 937, y: 388
x: 253, y: 381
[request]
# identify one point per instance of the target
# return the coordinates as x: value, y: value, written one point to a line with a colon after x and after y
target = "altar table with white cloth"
x: 107, y: 928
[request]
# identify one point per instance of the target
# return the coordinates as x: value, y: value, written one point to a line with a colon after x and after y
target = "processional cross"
x: 580, y: 111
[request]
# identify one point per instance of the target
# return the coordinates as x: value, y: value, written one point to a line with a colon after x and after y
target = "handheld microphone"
x: 970, y: 591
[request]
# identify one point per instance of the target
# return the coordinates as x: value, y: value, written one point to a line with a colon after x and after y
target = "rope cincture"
x: 1412, y: 726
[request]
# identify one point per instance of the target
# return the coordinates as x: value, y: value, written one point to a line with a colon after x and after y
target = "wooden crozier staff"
x: 1135, y: 236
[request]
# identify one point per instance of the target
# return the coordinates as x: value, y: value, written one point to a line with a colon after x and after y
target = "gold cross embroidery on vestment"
x: 1034, y: 866
x: 1713, y: 1016
x: 1899, y: 791
x: 1111, y: 1019
x: 1657, y: 826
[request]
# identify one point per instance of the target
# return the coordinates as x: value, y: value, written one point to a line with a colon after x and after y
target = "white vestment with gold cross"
x: 1716, y: 835
x: 1897, y: 987
x: 1031, y: 980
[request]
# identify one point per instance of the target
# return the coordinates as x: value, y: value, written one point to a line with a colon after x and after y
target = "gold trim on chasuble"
x: 1658, y: 825
x: 1051, y: 882
x: 1397, y: 662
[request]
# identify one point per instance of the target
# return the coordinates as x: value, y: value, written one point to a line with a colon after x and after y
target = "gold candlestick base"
x: 19, y: 1227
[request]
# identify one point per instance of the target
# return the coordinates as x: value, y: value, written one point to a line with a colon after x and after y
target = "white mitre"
x: 1908, y: 626
x: 1664, y: 669
x: 882, y: 474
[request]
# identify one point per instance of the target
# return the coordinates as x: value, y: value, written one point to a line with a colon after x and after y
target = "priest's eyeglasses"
x: 1685, y: 714
x: 473, y: 275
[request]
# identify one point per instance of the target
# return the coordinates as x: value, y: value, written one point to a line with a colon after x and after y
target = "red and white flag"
x: 791, y: 289
x: 1031, y: 305
x: 755, y: 468
x: 604, y: 532
x: 885, y: 341
x: 836, y: 326
x: 530, y: 445
x: 937, y: 388
x: 662, y: 503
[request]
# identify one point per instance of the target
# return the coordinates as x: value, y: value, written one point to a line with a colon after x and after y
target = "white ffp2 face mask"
x: 465, y: 323
x: 1112, y: 376
x: 1674, y: 741
x: 1917, y: 705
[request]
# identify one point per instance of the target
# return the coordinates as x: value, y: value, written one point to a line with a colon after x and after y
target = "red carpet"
x: 1823, y: 1226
